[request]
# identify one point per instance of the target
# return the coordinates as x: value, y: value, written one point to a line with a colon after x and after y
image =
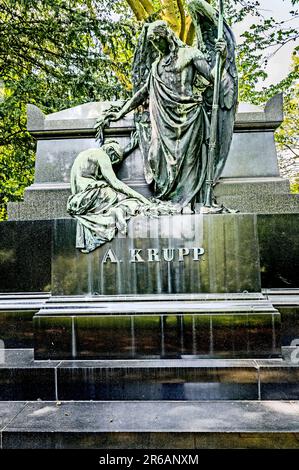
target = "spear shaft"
x: 214, y: 118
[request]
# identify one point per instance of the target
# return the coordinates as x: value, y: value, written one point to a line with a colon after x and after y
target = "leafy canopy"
x: 60, y: 53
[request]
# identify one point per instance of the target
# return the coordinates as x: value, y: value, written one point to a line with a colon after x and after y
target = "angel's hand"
x: 221, y: 47
x: 112, y: 114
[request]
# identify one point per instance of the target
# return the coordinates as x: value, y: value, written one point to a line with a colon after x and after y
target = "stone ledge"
x: 151, y: 425
x: 81, y: 119
x: 267, y: 186
x: 249, y: 195
x: 147, y: 380
x: 258, y: 203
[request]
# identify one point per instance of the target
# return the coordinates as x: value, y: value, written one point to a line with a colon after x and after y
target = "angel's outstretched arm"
x: 115, y: 115
x: 136, y: 100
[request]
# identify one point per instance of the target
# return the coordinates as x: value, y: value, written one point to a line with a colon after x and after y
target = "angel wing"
x: 205, y: 20
x: 144, y: 56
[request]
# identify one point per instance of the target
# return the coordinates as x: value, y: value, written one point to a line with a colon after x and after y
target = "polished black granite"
x: 289, y: 324
x: 16, y: 328
x: 279, y: 250
x: 25, y: 256
x: 23, y: 378
x: 230, y: 262
x: 16, y: 313
x: 105, y: 425
x: 176, y: 382
x: 54, y: 338
x: 27, y: 384
x: 278, y: 383
x: 210, y: 335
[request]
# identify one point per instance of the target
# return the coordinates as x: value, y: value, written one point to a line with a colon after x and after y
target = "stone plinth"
x: 174, y: 287
x: 178, y: 254
x: 200, y: 326
x: 25, y: 254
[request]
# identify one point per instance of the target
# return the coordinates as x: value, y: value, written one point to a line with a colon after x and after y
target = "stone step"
x: 150, y: 425
x: 199, y: 326
x: 16, y: 313
x: 18, y: 309
x: 22, y: 378
x: 164, y: 304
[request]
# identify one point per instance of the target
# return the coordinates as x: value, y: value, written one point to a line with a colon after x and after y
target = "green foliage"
x: 52, y: 55
x: 295, y: 186
x: 60, y: 53
x: 261, y: 42
x: 287, y: 135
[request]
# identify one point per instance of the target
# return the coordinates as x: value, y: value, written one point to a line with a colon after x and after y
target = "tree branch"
x: 138, y: 9
x: 183, y: 18
x: 148, y: 6
x: 290, y: 148
x: 189, y: 31
x: 171, y: 14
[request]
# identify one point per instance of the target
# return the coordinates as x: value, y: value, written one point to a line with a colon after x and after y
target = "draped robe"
x: 94, y: 203
x: 178, y: 151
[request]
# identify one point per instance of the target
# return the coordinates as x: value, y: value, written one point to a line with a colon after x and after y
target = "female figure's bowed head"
x: 101, y: 203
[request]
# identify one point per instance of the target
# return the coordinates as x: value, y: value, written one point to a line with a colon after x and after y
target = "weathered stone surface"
x: 8, y: 410
x: 259, y: 204
x: 252, y: 154
x: 41, y: 204
x: 105, y: 425
x: 61, y: 136
x: 248, y: 195
x: 55, y: 156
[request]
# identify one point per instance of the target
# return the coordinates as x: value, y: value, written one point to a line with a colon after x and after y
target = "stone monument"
x: 157, y: 228
x: 156, y: 238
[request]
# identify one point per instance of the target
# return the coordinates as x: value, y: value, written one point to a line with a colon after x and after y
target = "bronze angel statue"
x: 173, y: 97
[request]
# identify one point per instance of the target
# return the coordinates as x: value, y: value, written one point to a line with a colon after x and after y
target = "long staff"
x: 214, y: 117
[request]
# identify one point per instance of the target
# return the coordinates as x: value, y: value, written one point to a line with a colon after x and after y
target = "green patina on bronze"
x: 185, y: 100
x: 101, y: 203
x: 173, y: 86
